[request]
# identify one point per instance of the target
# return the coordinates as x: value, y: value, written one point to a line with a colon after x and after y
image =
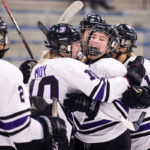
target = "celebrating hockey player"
x: 124, y: 53
x: 98, y: 58
x: 17, y: 129
x: 102, y: 39
x: 55, y: 75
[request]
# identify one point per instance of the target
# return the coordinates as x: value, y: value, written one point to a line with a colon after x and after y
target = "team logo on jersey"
x: 62, y: 29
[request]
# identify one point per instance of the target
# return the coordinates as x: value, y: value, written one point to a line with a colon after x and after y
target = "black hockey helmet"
x: 127, y: 36
x: 89, y: 21
x: 3, y: 32
x: 112, y: 34
x: 62, y: 34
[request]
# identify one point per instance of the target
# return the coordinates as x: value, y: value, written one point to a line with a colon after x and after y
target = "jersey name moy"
x: 40, y: 72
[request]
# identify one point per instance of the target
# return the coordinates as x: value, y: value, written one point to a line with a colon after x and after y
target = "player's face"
x: 100, y: 41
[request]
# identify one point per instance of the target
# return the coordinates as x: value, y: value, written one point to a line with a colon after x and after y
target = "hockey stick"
x: 18, y: 30
x: 139, y: 121
x: 42, y: 27
x: 54, y: 114
x: 70, y: 11
x: 134, y: 126
x: 54, y: 107
x: 65, y: 17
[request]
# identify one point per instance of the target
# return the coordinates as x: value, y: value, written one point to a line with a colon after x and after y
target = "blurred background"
x: 28, y: 12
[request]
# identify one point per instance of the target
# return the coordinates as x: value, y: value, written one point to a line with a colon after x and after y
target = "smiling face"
x: 98, y: 40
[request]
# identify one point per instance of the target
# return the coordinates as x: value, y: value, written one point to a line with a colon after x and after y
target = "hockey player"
x: 55, y: 76
x: 102, y: 39
x: 17, y: 129
x: 124, y: 53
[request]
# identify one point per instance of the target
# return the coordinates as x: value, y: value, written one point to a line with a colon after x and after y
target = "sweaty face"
x: 100, y: 41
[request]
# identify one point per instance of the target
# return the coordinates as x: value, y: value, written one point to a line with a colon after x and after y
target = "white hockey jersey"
x: 59, y: 76
x: 107, y: 124
x: 56, y: 77
x: 141, y: 138
x: 16, y: 124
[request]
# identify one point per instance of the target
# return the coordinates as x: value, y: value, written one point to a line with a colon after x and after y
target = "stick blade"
x: 70, y: 11
x: 42, y: 27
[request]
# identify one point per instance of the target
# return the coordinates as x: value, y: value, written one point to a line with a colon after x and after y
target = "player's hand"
x: 40, y: 107
x: 54, y: 128
x: 137, y: 97
x: 26, y: 69
x: 77, y: 102
x: 82, y: 103
x: 135, y: 71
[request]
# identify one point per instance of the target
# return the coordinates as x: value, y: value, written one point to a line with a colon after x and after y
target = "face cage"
x: 84, y: 27
x: 93, y: 51
x: 124, y: 43
x: 67, y: 50
x: 3, y: 39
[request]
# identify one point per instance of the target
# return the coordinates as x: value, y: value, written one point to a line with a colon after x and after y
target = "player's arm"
x: 43, y: 128
x: 99, y: 88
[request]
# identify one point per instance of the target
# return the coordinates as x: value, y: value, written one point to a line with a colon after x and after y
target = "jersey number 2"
x: 20, y: 89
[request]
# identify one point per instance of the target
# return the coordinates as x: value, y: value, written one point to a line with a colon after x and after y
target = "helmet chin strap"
x: 68, y: 51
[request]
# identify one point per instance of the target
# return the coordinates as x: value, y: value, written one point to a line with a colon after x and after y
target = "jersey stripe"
x: 15, y: 114
x: 121, y: 108
x: 95, y: 89
x: 107, y: 92
x: 15, y: 132
x: 94, y: 126
x: 100, y: 94
x: 13, y: 124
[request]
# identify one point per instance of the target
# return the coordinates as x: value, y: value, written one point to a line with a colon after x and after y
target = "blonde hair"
x: 47, y: 54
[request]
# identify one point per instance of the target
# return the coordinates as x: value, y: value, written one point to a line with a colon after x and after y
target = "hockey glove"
x: 40, y: 107
x: 135, y: 71
x: 82, y: 103
x: 137, y: 97
x: 55, y: 128
x: 26, y: 69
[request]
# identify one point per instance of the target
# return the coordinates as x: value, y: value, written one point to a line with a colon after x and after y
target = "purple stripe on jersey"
x: 122, y: 105
x: 94, y: 124
x: 100, y: 94
x: 142, y: 128
x: 13, y: 124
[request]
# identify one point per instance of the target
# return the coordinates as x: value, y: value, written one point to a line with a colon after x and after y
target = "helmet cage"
x: 110, y: 32
x: 3, y: 35
x: 127, y: 36
x: 89, y: 21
